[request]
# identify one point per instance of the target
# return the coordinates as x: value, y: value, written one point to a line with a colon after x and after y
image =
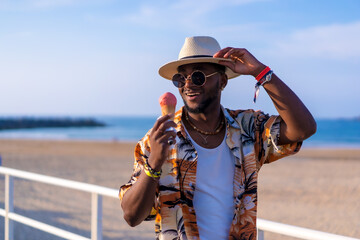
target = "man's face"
x: 197, y: 99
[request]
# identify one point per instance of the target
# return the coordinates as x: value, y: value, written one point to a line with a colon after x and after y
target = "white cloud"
x: 181, y: 14
x: 331, y: 41
x: 146, y: 15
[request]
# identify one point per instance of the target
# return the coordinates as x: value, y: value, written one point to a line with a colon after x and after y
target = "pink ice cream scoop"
x: 167, y: 103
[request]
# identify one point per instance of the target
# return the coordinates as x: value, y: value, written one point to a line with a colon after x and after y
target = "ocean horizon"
x: 331, y: 133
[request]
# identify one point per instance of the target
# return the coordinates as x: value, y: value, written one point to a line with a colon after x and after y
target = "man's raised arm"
x: 298, y: 123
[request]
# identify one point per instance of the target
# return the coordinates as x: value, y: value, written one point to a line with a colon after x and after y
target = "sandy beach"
x: 317, y: 188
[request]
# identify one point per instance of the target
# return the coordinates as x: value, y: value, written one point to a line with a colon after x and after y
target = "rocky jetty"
x: 29, y: 122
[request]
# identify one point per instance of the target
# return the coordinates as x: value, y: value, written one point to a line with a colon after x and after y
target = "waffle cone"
x: 166, y: 109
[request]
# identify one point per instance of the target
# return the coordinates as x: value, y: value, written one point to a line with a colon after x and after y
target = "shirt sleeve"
x: 266, y: 135
x: 142, y: 152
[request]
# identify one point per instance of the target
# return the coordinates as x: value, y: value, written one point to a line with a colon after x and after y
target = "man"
x: 205, y: 186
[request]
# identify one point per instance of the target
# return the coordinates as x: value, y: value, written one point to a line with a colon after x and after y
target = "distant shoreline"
x: 31, y: 123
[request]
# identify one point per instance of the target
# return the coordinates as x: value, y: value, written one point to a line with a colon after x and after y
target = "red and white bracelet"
x: 262, y: 78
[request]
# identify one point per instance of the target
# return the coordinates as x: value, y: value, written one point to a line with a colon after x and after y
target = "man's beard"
x: 203, y: 105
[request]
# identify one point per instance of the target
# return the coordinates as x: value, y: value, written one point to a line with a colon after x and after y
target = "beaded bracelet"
x: 151, y: 172
x: 263, y: 77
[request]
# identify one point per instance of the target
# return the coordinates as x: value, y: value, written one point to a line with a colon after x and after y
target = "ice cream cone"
x: 167, y: 103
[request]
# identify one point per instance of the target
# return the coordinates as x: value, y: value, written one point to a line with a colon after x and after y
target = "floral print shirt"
x: 251, y: 137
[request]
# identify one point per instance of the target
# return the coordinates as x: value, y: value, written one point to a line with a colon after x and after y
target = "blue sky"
x: 92, y: 57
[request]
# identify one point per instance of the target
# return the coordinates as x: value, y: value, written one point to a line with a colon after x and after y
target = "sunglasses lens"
x: 178, y: 80
x: 198, y: 78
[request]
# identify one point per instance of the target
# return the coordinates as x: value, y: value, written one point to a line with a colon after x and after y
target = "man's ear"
x: 223, y: 81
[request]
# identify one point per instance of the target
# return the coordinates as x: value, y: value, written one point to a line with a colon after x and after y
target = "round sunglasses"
x: 197, y: 77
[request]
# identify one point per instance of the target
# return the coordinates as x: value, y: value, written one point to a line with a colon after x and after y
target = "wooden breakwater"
x: 46, y: 122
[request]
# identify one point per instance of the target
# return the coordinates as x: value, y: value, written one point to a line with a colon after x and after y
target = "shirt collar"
x: 229, y: 119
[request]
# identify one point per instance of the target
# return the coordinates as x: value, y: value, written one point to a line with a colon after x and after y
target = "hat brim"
x: 169, y: 69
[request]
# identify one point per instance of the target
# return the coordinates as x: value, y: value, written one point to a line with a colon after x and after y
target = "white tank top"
x: 213, y: 197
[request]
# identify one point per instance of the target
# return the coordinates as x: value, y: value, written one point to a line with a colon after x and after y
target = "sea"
x: 331, y: 133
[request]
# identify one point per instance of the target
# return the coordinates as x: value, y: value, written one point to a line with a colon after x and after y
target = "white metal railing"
x: 96, y: 204
x: 96, y: 211
x: 297, y: 232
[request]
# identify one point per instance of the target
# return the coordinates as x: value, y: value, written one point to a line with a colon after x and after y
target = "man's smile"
x: 192, y: 95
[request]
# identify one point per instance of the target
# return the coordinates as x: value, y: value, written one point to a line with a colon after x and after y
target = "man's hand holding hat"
x: 243, y: 63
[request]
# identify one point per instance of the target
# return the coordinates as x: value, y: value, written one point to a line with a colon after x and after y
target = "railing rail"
x: 96, y: 211
x: 294, y: 231
x: 96, y: 204
x: 85, y: 187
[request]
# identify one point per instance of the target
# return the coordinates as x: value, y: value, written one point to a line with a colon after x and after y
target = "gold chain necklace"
x: 218, y: 128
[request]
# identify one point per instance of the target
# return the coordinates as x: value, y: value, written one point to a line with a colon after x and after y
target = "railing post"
x: 260, y: 235
x: 9, y: 207
x: 96, y: 216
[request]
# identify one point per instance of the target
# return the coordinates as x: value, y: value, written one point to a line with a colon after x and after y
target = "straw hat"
x: 196, y: 50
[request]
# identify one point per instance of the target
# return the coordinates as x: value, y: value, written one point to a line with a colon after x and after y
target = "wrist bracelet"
x: 147, y: 172
x: 151, y: 172
x: 264, y: 79
x: 262, y: 73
